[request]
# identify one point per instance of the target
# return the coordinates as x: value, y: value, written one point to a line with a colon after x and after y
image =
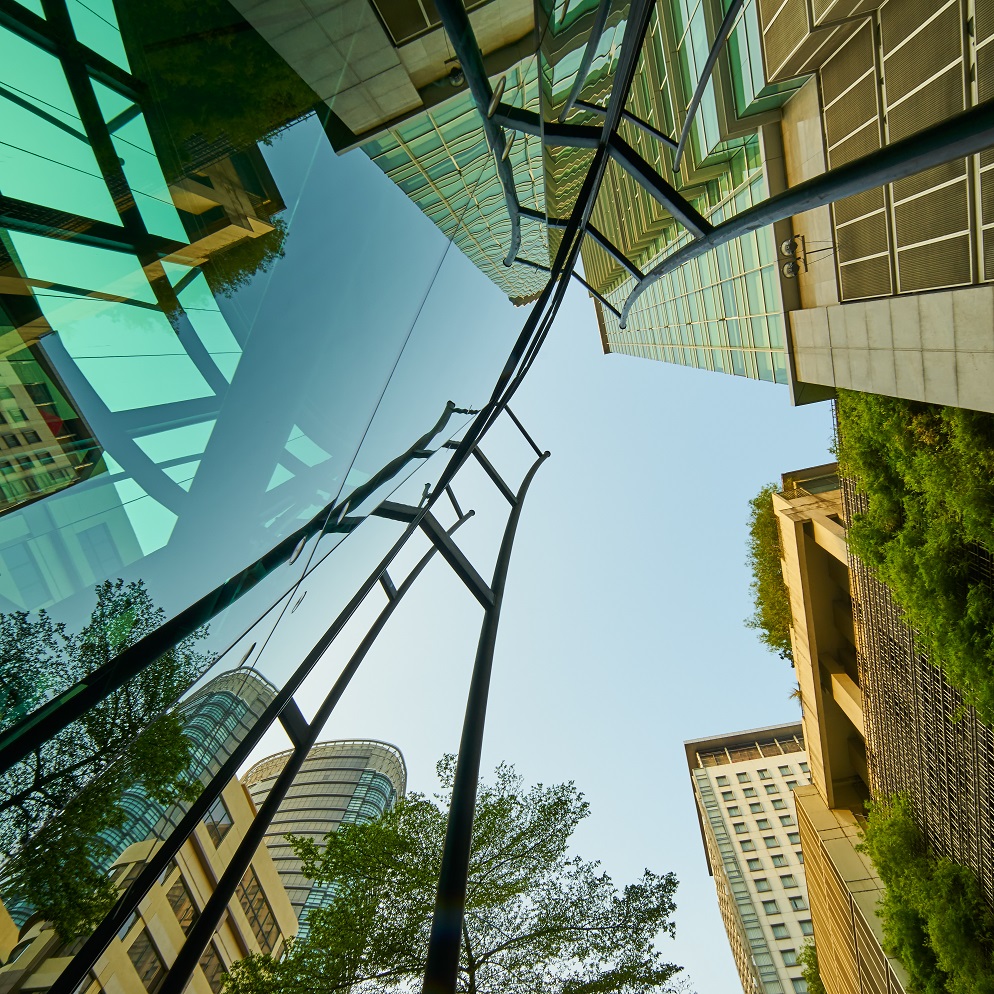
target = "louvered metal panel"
x: 924, y: 82
x: 852, y: 125
x: 792, y: 45
x: 830, y: 11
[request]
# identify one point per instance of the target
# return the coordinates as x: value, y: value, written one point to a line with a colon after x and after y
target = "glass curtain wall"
x: 215, y: 325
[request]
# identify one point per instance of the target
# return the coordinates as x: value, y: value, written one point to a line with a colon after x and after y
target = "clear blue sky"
x: 622, y: 630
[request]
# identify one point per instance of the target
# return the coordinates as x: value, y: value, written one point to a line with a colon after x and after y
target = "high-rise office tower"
x: 340, y: 783
x: 744, y: 789
x: 215, y: 719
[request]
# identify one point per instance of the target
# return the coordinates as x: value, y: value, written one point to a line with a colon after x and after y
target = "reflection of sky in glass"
x: 223, y: 428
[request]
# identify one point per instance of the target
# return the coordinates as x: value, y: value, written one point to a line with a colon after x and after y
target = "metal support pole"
x: 442, y: 966
x: 695, y: 101
x: 632, y: 119
x: 455, y: 20
x: 600, y: 22
x: 965, y: 134
x: 656, y: 186
x: 615, y: 252
x: 94, y: 947
x: 43, y: 724
x: 207, y: 922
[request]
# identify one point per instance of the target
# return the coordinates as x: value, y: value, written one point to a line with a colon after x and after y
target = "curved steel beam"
x: 551, y: 133
x: 180, y: 973
x: 695, y: 101
x: 965, y: 134
x: 455, y: 20
x: 442, y: 967
x: 600, y: 22
x: 47, y: 721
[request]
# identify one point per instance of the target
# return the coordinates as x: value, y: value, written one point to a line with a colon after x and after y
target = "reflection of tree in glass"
x: 55, y: 804
x: 232, y: 268
x: 213, y: 79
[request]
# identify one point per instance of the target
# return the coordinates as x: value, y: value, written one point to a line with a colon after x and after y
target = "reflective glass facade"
x: 199, y: 357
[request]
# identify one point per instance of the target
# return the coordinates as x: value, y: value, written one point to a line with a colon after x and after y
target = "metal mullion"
x: 45, y: 35
x: 95, y: 946
x: 724, y: 29
x: 445, y: 939
x: 20, y: 215
x: 179, y: 974
x: 41, y: 725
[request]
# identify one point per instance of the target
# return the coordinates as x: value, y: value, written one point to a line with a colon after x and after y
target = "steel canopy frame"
x: 959, y: 136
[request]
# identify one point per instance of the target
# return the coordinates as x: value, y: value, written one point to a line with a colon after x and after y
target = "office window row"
x: 780, y: 931
x: 797, y: 903
x: 744, y: 777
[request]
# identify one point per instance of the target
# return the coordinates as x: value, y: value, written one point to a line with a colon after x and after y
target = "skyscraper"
x: 341, y: 783
x: 744, y: 790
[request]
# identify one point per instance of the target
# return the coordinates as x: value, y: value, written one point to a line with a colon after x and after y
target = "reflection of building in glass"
x: 340, y: 783
x: 744, y: 788
x: 215, y: 718
x: 396, y: 92
x: 259, y: 919
x: 115, y: 358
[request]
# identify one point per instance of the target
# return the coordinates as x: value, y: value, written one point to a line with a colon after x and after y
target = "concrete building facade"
x: 843, y: 887
x: 340, y: 783
x: 744, y: 786
x: 260, y: 919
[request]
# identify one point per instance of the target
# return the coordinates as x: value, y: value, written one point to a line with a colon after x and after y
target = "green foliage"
x: 808, y: 959
x: 927, y: 475
x: 772, y: 617
x: 56, y: 802
x: 211, y: 77
x: 537, y: 919
x: 232, y: 268
x: 935, y: 919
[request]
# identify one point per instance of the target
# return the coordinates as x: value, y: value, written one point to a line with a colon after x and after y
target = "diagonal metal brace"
x: 442, y: 541
x: 552, y: 133
x: 294, y: 723
x: 615, y: 252
x: 498, y: 480
x: 653, y: 183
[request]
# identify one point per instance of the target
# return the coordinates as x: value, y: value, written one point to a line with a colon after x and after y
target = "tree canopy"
x: 771, y: 600
x: 935, y: 918
x: 926, y: 527
x: 55, y: 804
x: 229, y: 269
x: 808, y: 958
x: 537, y: 917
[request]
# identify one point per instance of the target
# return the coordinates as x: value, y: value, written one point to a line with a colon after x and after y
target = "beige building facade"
x: 260, y: 919
x: 744, y: 787
x: 843, y: 887
x: 895, y: 291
